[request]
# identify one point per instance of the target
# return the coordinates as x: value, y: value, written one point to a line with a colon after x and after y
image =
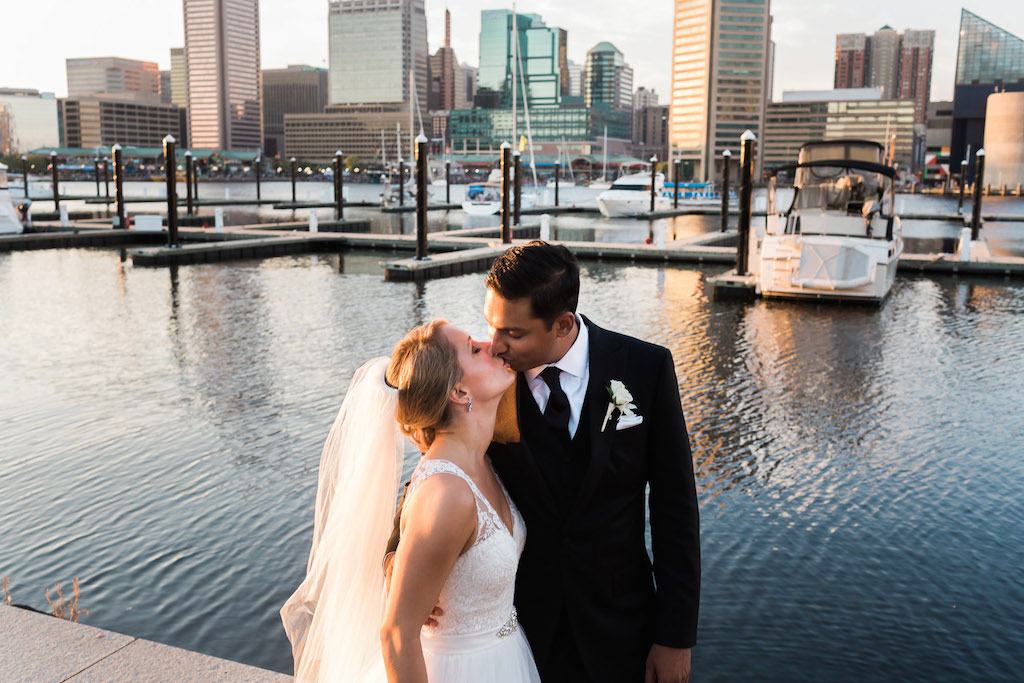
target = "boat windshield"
x: 632, y: 186
x: 843, y: 188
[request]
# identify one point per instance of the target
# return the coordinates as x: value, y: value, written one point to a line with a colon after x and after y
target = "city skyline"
x: 296, y: 33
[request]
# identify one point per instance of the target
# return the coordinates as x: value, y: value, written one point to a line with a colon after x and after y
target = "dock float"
x: 39, y: 647
x: 233, y: 250
x: 443, y: 265
x: 412, y: 208
x: 73, y: 238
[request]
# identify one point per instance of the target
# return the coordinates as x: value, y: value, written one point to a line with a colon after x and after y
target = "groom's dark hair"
x: 547, y: 274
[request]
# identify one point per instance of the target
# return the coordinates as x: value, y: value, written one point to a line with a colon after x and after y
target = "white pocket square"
x: 627, y: 422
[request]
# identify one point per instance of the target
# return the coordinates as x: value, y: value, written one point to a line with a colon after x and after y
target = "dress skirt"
x: 479, y: 657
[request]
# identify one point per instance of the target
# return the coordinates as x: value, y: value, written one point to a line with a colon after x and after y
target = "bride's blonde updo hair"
x: 424, y: 368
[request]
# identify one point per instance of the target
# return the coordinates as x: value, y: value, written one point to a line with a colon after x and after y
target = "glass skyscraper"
x: 988, y: 59
x: 375, y: 45
x: 222, y: 57
x: 542, y: 57
x: 608, y: 78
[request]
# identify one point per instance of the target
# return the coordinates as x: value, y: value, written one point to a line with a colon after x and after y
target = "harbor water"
x: 859, y: 469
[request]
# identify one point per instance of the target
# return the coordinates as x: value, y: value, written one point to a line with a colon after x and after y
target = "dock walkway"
x: 38, y: 647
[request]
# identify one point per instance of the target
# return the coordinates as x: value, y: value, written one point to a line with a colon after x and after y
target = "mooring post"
x: 195, y: 184
x: 401, y: 182
x: 506, y: 222
x: 106, y: 177
x: 746, y: 192
x: 24, y: 170
x: 339, y: 185
x: 119, y: 187
x: 188, y: 183
x: 293, y: 179
x: 448, y: 182
x: 654, y: 178
x: 96, y: 174
x: 517, y: 186
x: 171, y: 176
x: 56, y: 181
x: 962, y: 183
x: 558, y: 168
x: 979, y: 183
x: 675, y: 184
x: 726, y: 157
x: 421, y: 196
x: 256, y: 163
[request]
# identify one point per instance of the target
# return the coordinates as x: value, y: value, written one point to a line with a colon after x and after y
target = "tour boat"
x: 10, y: 224
x: 839, y: 237
x: 630, y: 195
x: 697, y: 194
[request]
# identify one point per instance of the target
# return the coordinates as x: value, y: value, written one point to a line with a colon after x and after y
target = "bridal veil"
x: 333, y: 618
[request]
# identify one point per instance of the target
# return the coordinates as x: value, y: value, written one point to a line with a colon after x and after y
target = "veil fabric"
x: 333, y: 618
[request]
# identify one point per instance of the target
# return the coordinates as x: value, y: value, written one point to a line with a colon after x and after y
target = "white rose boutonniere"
x: 622, y: 400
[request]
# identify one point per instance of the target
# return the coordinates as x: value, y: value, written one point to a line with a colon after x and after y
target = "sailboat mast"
x: 604, y: 156
x: 412, y: 105
x: 515, y: 74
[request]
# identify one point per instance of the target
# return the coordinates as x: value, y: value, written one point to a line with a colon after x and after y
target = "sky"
x: 295, y: 32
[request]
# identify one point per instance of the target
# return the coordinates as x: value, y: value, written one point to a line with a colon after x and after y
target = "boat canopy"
x: 844, y: 185
x: 856, y: 150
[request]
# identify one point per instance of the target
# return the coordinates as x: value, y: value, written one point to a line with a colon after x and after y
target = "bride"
x: 461, y: 534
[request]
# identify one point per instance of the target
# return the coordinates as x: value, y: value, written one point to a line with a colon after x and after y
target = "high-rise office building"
x: 295, y: 90
x: 543, y: 63
x: 29, y: 120
x: 650, y: 131
x: 989, y: 59
x: 165, y: 86
x: 853, y: 61
x: 222, y: 58
x: 376, y: 46
x: 721, y: 62
x: 444, y: 71
x: 465, y: 86
x: 113, y: 75
x: 644, y: 97
x: 576, y: 72
x: 899, y: 64
x: 179, y: 78
x: 102, y: 120
x: 608, y: 78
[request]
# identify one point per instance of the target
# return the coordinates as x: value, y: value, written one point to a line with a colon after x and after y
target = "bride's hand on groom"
x: 667, y: 665
x: 389, y: 566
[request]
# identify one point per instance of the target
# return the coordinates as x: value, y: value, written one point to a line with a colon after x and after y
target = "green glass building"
x: 487, y: 129
x: 542, y: 58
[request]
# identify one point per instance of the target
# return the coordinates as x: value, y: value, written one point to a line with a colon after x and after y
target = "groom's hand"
x: 667, y: 665
x: 389, y: 567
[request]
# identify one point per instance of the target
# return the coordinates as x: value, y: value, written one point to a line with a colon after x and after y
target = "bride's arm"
x: 439, y: 522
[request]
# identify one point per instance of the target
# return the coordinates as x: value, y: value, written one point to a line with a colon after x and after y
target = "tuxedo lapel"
x: 603, y: 349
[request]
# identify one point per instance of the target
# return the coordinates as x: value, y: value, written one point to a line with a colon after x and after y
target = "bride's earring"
x: 469, y: 404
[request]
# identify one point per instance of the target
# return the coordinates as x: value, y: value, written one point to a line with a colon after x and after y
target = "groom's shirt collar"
x: 576, y: 360
x: 575, y: 376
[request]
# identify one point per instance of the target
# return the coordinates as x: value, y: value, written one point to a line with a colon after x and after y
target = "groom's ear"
x: 564, y: 323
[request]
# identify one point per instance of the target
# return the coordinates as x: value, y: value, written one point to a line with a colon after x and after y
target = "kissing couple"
x: 518, y: 551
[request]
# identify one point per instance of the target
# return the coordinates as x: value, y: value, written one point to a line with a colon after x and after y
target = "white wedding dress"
x: 478, y: 638
x: 333, y: 618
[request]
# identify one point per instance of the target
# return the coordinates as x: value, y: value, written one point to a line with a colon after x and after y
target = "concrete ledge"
x: 443, y: 265
x: 38, y: 647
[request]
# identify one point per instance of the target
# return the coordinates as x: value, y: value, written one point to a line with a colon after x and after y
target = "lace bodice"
x: 478, y: 594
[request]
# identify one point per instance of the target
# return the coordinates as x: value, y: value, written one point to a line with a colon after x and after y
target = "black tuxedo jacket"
x: 590, y: 568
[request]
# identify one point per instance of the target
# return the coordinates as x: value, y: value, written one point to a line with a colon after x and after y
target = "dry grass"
x: 66, y: 609
x: 7, y: 595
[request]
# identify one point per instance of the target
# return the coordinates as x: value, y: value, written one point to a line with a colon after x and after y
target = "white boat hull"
x: 9, y: 222
x: 826, y: 267
x: 621, y: 206
x: 489, y: 208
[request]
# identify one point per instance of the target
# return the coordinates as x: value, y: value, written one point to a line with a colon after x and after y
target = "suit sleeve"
x: 675, y: 525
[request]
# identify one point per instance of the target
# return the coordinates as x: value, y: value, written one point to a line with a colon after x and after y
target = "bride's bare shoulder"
x: 441, y: 503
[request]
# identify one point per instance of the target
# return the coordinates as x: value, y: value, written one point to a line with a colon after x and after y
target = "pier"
x: 39, y: 647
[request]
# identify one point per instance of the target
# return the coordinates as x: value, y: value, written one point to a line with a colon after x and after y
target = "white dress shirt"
x: 575, y: 375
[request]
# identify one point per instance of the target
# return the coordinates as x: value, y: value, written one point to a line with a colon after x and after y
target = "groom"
x: 599, y: 419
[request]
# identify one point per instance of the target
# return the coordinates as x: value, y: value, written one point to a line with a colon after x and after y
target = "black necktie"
x: 557, y: 412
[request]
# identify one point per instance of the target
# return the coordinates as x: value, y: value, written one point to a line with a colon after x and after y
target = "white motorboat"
x: 839, y: 238
x: 484, y: 199
x: 10, y: 224
x: 630, y: 195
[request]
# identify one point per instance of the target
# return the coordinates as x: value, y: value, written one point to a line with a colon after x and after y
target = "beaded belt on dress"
x: 511, y: 626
